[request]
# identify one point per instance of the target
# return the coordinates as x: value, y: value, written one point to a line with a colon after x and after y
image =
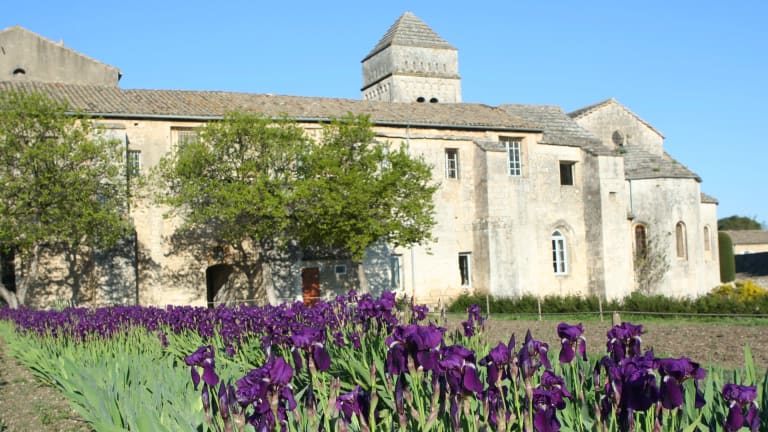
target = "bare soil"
x: 28, y: 405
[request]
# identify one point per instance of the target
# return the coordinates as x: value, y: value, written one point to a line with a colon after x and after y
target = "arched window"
x: 641, y: 241
x: 559, y: 253
x: 682, y: 247
x: 707, y: 239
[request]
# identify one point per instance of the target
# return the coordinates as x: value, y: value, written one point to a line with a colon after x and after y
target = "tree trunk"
x: 363, y: 280
x: 29, y: 276
x: 9, y: 296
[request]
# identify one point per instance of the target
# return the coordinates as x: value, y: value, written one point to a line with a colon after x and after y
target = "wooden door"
x: 310, y: 284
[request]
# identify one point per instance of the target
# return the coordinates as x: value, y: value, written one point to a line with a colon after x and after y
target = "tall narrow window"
x: 566, y: 173
x: 133, y: 159
x: 514, y: 160
x: 559, y: 254
x: 394, y: 272
x: 452, y: 163
x: 707, y: 239
x: 464, y: 269
x: 641, y: 241
x: 682, y: 247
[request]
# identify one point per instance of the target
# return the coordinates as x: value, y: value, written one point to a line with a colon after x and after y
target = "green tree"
x: 360, y: 191
x: 250, y: 178
x: 63, y: 189
x: 733, y: 223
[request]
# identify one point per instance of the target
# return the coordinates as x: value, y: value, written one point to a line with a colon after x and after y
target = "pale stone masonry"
x: 531, y: 200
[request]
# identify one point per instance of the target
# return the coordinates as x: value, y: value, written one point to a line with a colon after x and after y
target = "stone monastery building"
x: 532, y: 200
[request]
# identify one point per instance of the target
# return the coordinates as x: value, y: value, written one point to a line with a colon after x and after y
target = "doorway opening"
x: 216, y: 277
x: 310, y: 285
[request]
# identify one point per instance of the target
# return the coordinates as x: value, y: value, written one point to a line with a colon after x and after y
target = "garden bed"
x: 26, y: 405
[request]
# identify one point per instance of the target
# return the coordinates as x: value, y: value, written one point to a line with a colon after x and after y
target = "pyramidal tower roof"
x: 409, y: 30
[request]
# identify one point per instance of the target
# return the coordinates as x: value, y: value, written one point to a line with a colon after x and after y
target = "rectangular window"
x: 514, y: 160
x: 183, y: 136
x: 394, y: 272
x: 452, y: 163
x: 464, y: 269
x: 133, y: 158
x: 566, y: 173
x: 340, y: 269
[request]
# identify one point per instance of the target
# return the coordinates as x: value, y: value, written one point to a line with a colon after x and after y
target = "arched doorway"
x: 215, y: 278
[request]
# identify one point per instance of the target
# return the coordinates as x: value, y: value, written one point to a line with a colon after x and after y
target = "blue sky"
x: 696, y: 70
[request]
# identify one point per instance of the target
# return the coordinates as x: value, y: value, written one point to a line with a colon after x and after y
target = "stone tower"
x: 412, y: 63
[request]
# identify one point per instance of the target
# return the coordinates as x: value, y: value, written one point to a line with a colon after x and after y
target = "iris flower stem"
x: 576, y: 377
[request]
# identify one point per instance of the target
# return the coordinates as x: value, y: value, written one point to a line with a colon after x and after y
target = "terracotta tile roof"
x: 559, y: 128
x: 744, y: 237
x: 115, y: 102
x: 409, y: 30
x: 641, y: 164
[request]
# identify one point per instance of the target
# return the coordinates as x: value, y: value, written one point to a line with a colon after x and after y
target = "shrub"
x: 727, y: 261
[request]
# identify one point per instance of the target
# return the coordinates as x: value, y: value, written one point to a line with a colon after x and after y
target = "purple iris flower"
x: 469, y: 328
x: 458, y: 365
x: 673, y: 373
x: 532, y: 355
x: 355, y: 339
x: 419, y: 343
x: 311, y: 341
x: 739, y: 397
x: 544, y: 418
x: 203, y: 357
x: 357, y: 402
x: 572, y: 339
x: 265, y: 387
x: 420, y: 312
x: 556, y: 386
x: 624, y: 340
x: 499, y: 360
x: 640, y: 389
x: 475, y: 314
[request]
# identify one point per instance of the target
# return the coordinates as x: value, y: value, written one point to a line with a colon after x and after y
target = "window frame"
x: 681, y: 241
x: 707, y: 238
x: 514, y: 148
x: 133, y: 163
x: 452, y: 163
x: 559, y: 253
x: 568, y: 168
x: 465, y: 269
x: 395, y: 272
x: 641, y: 249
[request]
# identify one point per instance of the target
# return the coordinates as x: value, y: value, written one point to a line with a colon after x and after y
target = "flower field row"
x: 362, y: 364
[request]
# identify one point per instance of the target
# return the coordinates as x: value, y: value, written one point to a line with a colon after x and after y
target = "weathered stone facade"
x: 531, y: 200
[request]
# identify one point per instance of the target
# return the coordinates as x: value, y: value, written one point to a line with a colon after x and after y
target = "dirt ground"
x: 26, y: 405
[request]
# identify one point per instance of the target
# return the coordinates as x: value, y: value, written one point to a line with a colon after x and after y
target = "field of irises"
x: 365, y: 364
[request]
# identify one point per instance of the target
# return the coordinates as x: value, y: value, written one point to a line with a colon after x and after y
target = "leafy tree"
x: 732, y: 223
x: 63, y: 189
x: 359, y: 191
x: 250, y: 178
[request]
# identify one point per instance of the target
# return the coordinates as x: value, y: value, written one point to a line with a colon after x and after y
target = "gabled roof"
x: 583, y: 112
x: 559, y: 129
x: 60, y: 45
x: 746, y: 237
x: 409, y: 30
x: 640, y: 164
x: 115, y: 102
